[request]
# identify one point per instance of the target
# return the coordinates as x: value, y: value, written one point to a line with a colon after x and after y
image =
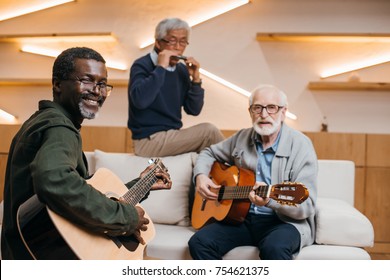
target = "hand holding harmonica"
x: 193, y: 67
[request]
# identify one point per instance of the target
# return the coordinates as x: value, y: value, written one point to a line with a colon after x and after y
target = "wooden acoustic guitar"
x: 233, y: 203
x: 48, y: 235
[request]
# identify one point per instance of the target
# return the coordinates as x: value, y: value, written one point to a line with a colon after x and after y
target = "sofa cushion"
x: 330, y: 252
x: 163, y: 206
x: 338, y: 223
x: 313, y: 252
x: 170, y: 243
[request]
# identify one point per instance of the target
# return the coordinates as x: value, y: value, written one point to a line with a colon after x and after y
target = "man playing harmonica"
x: 159, y: 88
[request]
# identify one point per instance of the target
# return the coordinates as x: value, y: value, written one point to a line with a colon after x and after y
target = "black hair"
x: 64, y: 64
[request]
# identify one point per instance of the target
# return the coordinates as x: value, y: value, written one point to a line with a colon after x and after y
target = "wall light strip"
x: 212, y: 14
x: 224, y: 82
x: 54, y: 53
x: 17, y: 11
x: 205, y: 17
x: 7, y: 117
x: 355, y: 66
x: 291, y: 115
x: 236, y: 88
x: 40, y: 51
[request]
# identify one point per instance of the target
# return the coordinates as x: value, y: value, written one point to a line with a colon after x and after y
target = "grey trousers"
x: 174, y: 142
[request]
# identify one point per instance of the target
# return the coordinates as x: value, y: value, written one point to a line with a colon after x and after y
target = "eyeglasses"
x: 271, y: 108
x: 103, y: 88
x: 173, y: 42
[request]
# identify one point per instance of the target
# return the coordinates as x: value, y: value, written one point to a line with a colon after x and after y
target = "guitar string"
x: 241, y: 192
x: 237, y: 192
x: 146, y: 179
x: 135, y: 194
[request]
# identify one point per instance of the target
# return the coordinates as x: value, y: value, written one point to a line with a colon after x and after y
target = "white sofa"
x: 342, y: 231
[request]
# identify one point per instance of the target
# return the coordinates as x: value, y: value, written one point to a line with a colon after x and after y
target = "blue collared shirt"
x: 263, y: 171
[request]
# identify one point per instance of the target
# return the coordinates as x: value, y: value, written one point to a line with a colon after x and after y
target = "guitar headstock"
x: 289, y: 193
x: 158, y: 164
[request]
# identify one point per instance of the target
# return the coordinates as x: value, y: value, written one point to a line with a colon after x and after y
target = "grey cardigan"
x: 295, y: 161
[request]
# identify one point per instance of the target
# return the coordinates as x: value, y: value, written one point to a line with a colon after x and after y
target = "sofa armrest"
x: 339, y: 223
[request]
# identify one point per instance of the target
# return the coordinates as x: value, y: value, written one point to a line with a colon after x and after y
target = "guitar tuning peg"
x: 282, y: 202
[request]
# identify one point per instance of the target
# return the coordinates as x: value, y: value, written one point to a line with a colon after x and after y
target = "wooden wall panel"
x: 380, y: 248
x: 108, y: 139
x: 346, y: 146
x: 3, y: 165
x: 7, y: 132
x: 228, y: 133
x: 377, y: 201
x: 360, y: 187
x: 378, y: 150
x: 129, y: 142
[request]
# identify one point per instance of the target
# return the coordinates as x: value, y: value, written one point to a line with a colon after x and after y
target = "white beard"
x: 85, y: 113
x: 267, y: 131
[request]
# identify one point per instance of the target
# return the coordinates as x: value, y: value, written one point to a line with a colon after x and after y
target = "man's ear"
x: 56, y: 85
x: 157, y: 46
x: 284, y: 111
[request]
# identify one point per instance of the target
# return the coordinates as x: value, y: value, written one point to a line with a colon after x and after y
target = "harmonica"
x: 178, y: 57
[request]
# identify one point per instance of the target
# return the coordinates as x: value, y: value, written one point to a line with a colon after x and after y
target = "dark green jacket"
x: 46, y: 159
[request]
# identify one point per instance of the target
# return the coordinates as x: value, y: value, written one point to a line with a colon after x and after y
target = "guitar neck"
x: 241, y: 192
x: 135, y: 194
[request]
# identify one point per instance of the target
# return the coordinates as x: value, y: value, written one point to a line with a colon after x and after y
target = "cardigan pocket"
x: 237, y: 154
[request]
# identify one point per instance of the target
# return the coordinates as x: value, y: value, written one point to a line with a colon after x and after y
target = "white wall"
x: 227, y: 47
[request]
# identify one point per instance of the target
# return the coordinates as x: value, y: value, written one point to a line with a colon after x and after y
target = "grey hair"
x: 168, y: 24
x: 269, y: 88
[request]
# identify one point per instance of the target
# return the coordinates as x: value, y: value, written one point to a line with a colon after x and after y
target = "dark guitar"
x: 233, y: 203
x: 44, y: 231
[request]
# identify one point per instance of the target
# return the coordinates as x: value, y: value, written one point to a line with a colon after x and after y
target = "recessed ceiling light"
x: 9, y: 118
x: 355, y: 66
x: 54, y: 53
x: 16, y: 10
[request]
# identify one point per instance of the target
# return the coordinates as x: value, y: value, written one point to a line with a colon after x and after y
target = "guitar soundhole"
x: 220, y: 193
x: 129, y: 242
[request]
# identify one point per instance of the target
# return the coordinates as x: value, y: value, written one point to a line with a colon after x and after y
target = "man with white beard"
x: 276, y: 154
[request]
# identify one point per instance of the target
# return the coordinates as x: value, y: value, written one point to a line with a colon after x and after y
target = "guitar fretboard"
x: 140, y: 189
x: 241, y: 192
